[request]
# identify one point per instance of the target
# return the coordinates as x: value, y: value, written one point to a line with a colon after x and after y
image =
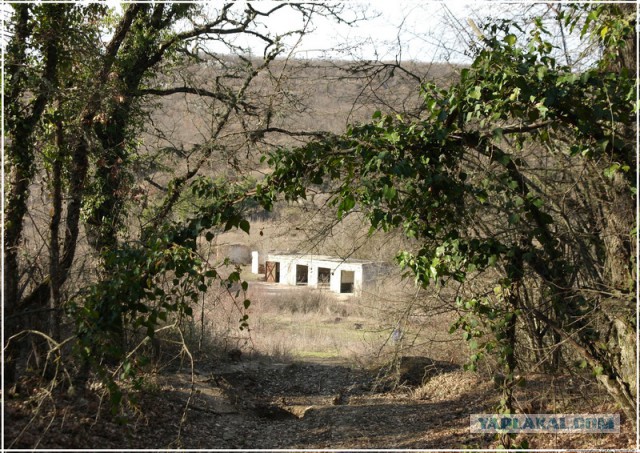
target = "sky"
x: 403, y: 29
x: 419, y: 30
x: 409, y: 30
x: 418, y: 22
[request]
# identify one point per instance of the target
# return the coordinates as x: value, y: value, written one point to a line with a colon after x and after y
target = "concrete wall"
x: 237, y: 253
x: 255, y: 266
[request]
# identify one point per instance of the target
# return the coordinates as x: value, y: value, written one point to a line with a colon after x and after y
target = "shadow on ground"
x: 310, y: 405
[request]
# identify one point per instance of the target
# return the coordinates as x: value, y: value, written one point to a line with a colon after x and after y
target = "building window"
x: 347, y: 280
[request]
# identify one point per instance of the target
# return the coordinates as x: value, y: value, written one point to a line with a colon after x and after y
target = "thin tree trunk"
x: 54, y: 228
x: 20, y: 128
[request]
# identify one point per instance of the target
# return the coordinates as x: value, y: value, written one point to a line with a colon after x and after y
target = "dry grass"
x: 450, y: 385
x: 289, y: 323
x: 311, y: 323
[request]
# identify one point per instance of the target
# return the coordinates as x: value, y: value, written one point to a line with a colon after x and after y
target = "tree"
x: 522, y: 172
x: 82, y: 85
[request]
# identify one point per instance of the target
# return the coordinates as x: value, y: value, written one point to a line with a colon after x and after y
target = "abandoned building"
x: 344, y: 276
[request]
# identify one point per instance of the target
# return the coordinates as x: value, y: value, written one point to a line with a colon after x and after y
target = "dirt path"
x: 311, y: 405
x: 254, y: 404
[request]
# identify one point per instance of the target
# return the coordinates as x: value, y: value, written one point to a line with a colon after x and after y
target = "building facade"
x: 343, y: 276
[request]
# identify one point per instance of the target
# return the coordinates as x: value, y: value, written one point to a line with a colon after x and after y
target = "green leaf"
x: 505, y: 158
x: 542, y: 71
x: 393, y: 137
x: 347, y: 204
x: 610, y: 171
x: 389, y: 192
x: 246, y: 303
x: 537, y: 202
x: 244, y: 225
x: 510, y: 39
x: 543, y: 110
x: 116, y: 398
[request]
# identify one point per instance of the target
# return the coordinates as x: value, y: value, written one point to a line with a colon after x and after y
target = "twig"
x: 144, y: 341
x: 183, y: 419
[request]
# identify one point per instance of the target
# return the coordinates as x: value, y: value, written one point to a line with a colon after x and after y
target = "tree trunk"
x: 22, y: 122
x: 609, y: 373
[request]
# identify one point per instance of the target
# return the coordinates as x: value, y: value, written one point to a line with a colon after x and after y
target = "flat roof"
x: 312, y: 257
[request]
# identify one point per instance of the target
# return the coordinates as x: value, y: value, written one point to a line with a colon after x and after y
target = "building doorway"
x: 272, y: 271
x: 302, y: 274
x: 324, y: 277
x: 347, y: 280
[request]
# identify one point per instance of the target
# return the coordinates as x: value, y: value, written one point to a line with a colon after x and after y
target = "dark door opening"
x: 324, y: 277
x: 302, y: 274
x: 347, y: 279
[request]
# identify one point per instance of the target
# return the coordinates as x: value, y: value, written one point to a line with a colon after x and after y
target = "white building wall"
x: 357, y: 283
x: 285, y: 273
x: 254, y: 262
x: 334, y: 283
x: 313, y: 274
x: 288, y: 265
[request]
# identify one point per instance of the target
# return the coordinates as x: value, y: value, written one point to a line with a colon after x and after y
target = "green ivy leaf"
x: 389, y: 192
x: 347, y: 204
x: 244, y: 225
x: 610, y: 171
